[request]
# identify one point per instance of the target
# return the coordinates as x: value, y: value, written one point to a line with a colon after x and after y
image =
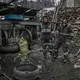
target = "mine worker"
x: 63, y: 32
x: 75, y: 47
x: 45, y: 31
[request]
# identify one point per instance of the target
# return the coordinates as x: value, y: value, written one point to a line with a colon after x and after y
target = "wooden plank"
x: 4, y: 22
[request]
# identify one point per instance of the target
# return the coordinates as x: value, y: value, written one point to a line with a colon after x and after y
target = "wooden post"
x: 0, y: 35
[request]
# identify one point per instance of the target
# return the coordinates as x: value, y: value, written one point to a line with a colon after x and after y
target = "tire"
x: 27, y: 35
x: 26, y: 72
x: 4, y: 37
x: 13, y: 48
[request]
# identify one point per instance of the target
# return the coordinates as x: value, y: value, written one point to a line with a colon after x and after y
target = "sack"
x: 23, y: 45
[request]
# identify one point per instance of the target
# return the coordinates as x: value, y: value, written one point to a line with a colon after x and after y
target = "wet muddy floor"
x: 51, y: 71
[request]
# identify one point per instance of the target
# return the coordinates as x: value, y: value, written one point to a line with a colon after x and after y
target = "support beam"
x: 4, y: 22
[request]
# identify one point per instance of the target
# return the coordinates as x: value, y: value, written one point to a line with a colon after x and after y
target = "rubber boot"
x: 45, y: 56
x: 54, y: 56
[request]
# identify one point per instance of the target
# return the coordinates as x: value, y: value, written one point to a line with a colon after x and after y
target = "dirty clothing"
x: 63, y: 31
x: 46, y: 30
x: 45, y: 33
x: 62, y: 39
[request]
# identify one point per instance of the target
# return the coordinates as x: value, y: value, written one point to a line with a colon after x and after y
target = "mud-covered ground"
x: 52, y: 71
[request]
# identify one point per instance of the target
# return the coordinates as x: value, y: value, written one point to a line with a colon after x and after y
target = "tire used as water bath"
x: 7, y: 47
x: 13, y: 48
x: 26, y: 72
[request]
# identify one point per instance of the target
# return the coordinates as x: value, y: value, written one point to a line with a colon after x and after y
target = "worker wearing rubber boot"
x: 64, y: 35
x: 45, y: 31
